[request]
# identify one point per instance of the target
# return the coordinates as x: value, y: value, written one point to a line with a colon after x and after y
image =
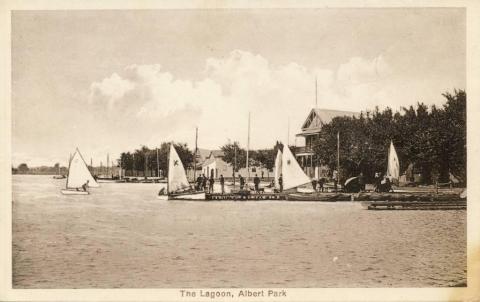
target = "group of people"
x: 206, y: 184
x: 382, y: 186
x: 256, y: 183
x: 318, y: 185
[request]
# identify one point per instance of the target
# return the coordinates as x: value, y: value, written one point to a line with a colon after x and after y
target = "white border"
x: 472, y: 292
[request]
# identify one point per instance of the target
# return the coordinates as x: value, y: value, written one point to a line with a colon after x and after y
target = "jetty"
x: 415, y: 205
x: 245, y: 195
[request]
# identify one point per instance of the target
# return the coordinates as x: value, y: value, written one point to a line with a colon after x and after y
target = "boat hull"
x: 183, y: 196
x: 318, y: 197
x: 74, y: 192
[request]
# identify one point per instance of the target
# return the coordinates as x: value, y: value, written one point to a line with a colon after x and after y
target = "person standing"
x: 314, y: 184
x: 280, y: 182
x: 335, y: 180
x: 361, y: 182
x: 222, y: 183
x: 388, y: 185
x: 210, y: 184
x: 256, y: 182
x: 378, y: 182
x: 242, y: 181
x: 199, y: 183
x: 204, y: 182
x: 321, y: 181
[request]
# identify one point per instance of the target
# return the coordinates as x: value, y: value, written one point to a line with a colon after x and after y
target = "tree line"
x: 42, y: 170
x: 145, y: 160
x: 430, y: 141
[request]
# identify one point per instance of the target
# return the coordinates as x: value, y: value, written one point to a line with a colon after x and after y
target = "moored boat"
x: 319, y: 197
x: 178, y: 186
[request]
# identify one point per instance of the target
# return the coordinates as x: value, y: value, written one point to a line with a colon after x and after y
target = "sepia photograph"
x: 239, y: 152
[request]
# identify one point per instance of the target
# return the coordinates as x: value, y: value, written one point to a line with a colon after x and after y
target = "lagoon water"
x: 122, y: 236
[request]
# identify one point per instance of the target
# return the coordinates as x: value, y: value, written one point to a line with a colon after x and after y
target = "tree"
x: 229, y: 151
x: 23, y: 168
x: 145, y: 159
x: 432, y: 140
x: 455, y: 140
x: 265, y: 157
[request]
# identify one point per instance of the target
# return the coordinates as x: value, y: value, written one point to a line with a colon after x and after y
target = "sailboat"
x: 78, y: 175
x: 293, y: 175
x: 393, y: 166
x: 178, y: 186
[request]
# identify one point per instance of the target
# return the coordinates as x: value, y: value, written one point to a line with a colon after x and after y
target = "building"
x: 214, y: 165
x: 310, y: 132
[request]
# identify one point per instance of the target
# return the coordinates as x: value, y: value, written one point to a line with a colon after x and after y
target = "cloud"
x: 229, y: 88
x: 111, y: 89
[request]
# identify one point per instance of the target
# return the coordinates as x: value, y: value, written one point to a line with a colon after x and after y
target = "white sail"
x: 177, y: 178
x: 293, y: 175
x: 78, y: 173
x: 393, y: 168
x: 278, y: 168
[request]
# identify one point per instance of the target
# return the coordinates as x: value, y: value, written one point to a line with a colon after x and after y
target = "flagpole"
x: 234, y: 161
x: 288, y: 132
x: 158, y: 165
x: 195, y: 156
x: 338, y: 156
x: 248, y: 148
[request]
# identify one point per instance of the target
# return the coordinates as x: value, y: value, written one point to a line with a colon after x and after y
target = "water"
x: 122, y: 236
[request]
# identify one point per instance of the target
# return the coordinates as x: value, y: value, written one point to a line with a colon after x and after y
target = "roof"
x: 217, y: 153
x: 310, y: 131
x: 208, y: 161
x: 202, y: 154
x: 319, y: 117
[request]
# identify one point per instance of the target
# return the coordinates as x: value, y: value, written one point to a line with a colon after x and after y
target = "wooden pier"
x: 415, y: 205
x: 245, y: 196
x: 407, y: 196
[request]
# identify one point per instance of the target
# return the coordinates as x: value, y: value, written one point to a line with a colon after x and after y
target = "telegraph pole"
x: 195, y: 155
x: 234, y: 161
x: 158, y: 165
x: 248, y: 147
x: 338, y: 155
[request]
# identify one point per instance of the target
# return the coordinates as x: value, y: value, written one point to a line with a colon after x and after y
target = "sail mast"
x: 388, y: 159
x: 248, y: 147
x: 288, y: 131
x: 168, y: 165
x: 145, y: 165
x: 158, y: 165
x: 338, y: 155
x: 120, y: 172
x: 234, y: 161
x: 195, y: 156
x: 68, y: 172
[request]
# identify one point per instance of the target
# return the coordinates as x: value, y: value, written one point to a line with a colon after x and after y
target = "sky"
x: 112, y: 81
